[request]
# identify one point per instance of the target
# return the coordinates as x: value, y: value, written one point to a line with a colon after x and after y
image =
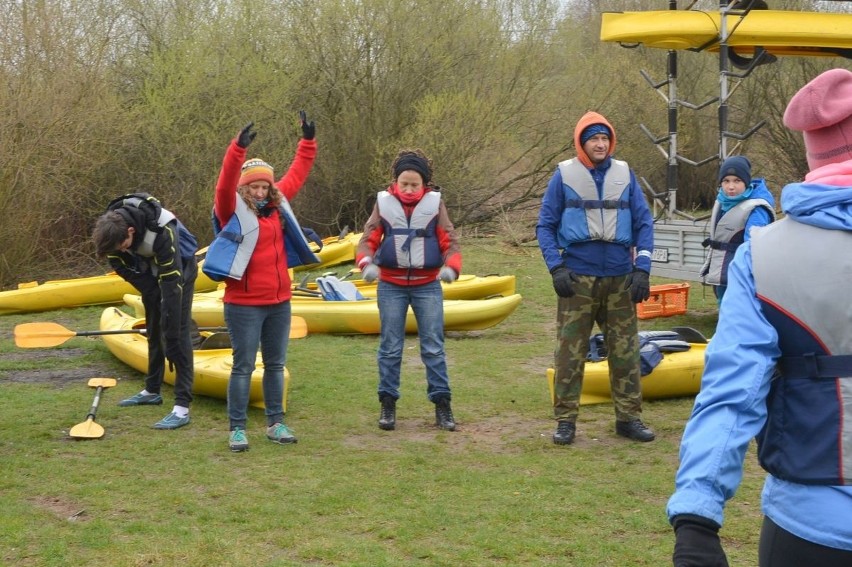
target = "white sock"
x: 144, y: 393
x: 180, y: 411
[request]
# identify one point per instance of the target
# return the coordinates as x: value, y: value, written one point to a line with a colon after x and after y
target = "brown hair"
x: 275, y: 196
x: 110, y: 231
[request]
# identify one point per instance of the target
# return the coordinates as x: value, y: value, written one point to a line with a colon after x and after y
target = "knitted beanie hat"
x: 738, y: 166
x: 256, y: 170
x: 822, y: 111
x: 593, y: 130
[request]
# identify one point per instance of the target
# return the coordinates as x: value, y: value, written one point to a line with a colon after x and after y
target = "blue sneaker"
x: 279, y: 433
x: 238, y: 441
x: 172, y: 421
x: 141, y: 399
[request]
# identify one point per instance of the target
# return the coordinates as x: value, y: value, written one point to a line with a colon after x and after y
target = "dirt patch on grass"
x: 60, y: 508
x: 498, y: 434
x: 56, y: 376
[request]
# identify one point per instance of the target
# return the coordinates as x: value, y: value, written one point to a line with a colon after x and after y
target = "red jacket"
x: 374, y: 234
x: 266, y: 280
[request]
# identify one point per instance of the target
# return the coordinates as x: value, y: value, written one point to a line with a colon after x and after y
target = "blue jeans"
x: 427, y: 302
x: 250, y: 326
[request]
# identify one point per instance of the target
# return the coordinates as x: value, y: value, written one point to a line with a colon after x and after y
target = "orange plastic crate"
x: 665, y: 301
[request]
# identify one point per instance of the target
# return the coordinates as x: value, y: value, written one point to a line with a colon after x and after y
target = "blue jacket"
x: 596, y: 257
x: 731, y: 408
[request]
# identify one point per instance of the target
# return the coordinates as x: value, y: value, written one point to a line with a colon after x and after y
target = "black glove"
x: 563, y: 280
x: 246, y: 136
x: 638, y: 285
x: 697, y: 543
x: 309, y: 129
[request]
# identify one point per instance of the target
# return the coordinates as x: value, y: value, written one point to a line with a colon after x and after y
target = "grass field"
x: 495, y: 492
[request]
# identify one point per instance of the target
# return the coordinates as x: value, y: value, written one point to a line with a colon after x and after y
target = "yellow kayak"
x: 677, y: 375
x: 335, y: 250
x: 356, y: 317
x: 780, y: 32
x: 212, y: 366
x: 78, y: 292
x: 467, y: 286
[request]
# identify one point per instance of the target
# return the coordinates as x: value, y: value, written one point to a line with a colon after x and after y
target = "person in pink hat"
x: 779, y: 368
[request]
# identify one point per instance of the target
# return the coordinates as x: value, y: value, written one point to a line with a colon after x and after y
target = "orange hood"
x: 585, y: 121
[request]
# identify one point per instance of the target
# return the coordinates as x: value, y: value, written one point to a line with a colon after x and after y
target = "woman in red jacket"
x: 257, y: 295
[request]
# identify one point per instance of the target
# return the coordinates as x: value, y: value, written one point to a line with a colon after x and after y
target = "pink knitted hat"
x: 822, y: 111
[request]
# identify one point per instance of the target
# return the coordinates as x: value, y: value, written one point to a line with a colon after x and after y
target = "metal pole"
x: 671, y: 169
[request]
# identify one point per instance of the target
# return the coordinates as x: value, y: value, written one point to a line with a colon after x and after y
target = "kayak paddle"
x: 41, y: 335
x: 89, y: 429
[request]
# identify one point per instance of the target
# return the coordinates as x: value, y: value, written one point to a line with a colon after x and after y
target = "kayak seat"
x: 334, y: 289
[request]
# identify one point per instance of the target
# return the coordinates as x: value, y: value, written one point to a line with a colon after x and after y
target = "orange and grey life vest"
x: 807, y: 437
x: 409, y: 242
x: 726, y: 235
x: 586, y: 215
x: 229, y: 254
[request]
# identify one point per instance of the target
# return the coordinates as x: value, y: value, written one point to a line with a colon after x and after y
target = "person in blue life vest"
x: 252, y: 208
x: 152, y: 250
x: 779, y: 367
x: 741, y: 204
x: 410, y: 246
x: 595, y: 232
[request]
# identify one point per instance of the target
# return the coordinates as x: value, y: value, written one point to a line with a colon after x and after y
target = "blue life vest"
x: 229, y: 253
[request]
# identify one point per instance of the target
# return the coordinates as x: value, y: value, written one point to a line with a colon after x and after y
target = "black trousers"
x: 780, y: 548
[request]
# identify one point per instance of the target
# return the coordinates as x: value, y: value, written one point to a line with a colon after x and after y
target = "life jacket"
x: 586, y: 215
x: 807, y: 437
x: 727, y: 233
x: 156, y: 218
x: 409, y: 242
x: 229, y: 254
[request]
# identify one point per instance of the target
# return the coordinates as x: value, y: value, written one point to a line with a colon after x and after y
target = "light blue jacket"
x: 731, y: 409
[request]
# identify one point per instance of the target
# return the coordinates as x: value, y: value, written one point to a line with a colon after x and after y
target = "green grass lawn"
x: 495, y: 492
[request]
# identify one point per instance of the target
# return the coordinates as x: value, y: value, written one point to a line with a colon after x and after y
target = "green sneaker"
x: 279, y: 433
x: 238, y: 441
x: 141, y: 399
x: 172, y: 421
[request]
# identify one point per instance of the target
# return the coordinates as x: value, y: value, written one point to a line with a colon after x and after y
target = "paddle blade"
x: 102, y: 382
x: 87, y: 430
x: 41, y: 335
x: 298, y: 327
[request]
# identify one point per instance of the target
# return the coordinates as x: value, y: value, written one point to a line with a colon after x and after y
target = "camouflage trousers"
x: 605, y: 301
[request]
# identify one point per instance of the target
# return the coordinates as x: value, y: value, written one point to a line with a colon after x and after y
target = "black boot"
x: 565, y: 432
x: 444, y: 414
x: 387, y: 417
x: 634, y: 429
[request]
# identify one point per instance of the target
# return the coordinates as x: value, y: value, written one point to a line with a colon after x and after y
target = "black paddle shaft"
x: 95, y: 403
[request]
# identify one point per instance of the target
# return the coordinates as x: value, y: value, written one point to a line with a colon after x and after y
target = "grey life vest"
x: 409, y: 242
x: 808, y: 433
x: 726, y: 235
x: 586, y: 215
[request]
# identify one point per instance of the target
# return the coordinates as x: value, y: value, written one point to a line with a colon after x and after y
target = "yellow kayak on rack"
x: 212, y: 366
x: 335, y: 250
x: 780, y: 32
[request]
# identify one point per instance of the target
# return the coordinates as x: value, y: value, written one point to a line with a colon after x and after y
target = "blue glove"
x: 697, y: 542
x: 246, y: 136
x: 309, y: 129
x: 447, y: 274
